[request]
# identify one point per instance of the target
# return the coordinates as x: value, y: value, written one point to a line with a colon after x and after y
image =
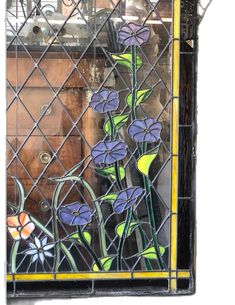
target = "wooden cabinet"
x: 57, y: 119
x: 50, y: 127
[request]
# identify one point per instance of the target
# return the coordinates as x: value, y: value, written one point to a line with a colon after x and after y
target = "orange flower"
x: 20, y: 226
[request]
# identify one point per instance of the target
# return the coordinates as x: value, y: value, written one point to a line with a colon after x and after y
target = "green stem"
x: 112, y: 127
x: 144, y: 243
x: 151, y: 216
x: 133, y: 112
x: 134, y: 81
x: 143, y: 239
x: 89, y: 249
x: 56, y: 237
x: 55, y: 201
x: 19, y: 209
x: 14, y: 251
x: 152, y: 222
x: 100, y: 217
x: 118, y: 178
x: 134, y: 88
x: 112, y: 137
x: 141, y: 150
x: 123, y: 238
x: 69, y: 256
x: 91, y: 193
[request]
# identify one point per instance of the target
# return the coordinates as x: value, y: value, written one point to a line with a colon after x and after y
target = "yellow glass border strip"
x: 10, y: 278
x: 34, y: 277
x: 97, y: 276
x: 175, y: 141
x: 93, y: 276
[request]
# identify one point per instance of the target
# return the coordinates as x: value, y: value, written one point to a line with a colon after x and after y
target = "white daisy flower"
x: 39, y: 249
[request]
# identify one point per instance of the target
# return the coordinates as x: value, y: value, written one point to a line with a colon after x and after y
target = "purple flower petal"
x: 123, y: 196
x: 127, y: 198
x: 118, y: 209
x: 156, y: 126
x: 133, y: 34
x: 104, y: 101
x: 137, y: 192
x: 66, y: 218
x: 104, y: 93
x: 130, y: 203
x: 109, y: 159
x: 143, y: 35
x: 148, y: 122
x: 108, y: 152
x: 75, y: 214
x: 99, y: 159
x: 134, y: 27
x: 147, y: 130
x: 148, y: 137
x: 96, y: 97
x: 113, y: 95
x: 139, y: 137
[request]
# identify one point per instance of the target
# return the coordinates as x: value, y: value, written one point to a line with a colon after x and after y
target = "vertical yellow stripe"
x: 175, y: 139
x: 174, y: 242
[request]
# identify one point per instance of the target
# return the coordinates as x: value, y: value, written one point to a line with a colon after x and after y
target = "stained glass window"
x: 100, y: 146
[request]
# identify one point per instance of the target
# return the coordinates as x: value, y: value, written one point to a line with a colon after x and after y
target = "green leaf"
x: 150, y: 252
x: 105, y: 262
x: 75, y: 237
x: 109, y: 197
x: 21, y: 194
x: 141, y: 96
x: 144, y: 162
x: 120, y: 228
x: 110, y: 172
x: 126, y: 60
x: 118, y: 121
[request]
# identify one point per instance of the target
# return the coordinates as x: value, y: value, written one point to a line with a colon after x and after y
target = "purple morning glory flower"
x: 75, y: 214
x: 147, y: 130
x: 104, y: 100
x: 133, y: 34
x: 127, y: 198
x: 107, y: 152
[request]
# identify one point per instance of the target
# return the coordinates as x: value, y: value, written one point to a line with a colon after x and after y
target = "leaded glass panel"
x: 100, y: 144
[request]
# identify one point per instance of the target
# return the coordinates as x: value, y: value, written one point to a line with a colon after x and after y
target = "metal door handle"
x: 44, y: 107
x: 45, y: 157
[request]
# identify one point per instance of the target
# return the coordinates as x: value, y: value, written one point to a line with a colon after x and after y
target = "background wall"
x: 215, y: 170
